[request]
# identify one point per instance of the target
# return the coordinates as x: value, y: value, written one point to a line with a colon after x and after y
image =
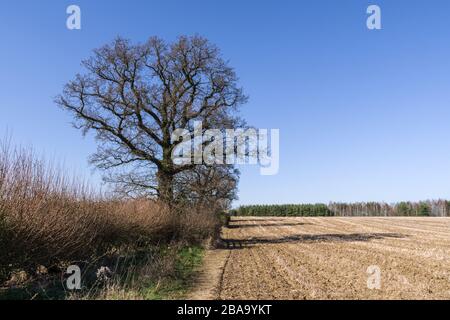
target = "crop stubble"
x: 328, y: 257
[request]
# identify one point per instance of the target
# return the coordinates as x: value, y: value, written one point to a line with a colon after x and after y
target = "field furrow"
x: 329, y: 257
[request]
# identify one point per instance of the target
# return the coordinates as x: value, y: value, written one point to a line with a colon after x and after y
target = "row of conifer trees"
x: 439, y: 208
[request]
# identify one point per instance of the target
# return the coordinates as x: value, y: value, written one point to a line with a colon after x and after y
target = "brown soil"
x: 327, y: 258
x: 209, y: 279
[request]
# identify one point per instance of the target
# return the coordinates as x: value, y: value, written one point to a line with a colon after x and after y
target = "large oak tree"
x: 134, y: 96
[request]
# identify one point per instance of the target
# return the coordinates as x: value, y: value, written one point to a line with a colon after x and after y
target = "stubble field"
x: 329, y: 257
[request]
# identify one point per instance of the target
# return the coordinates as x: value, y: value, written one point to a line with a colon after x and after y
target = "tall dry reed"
x: 47, y: 218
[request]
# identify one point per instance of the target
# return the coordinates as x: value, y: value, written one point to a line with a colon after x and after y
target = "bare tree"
x: 208, y: 185
x: 134, y: 96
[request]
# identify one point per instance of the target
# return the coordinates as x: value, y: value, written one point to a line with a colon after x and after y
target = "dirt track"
x: 327, y: 258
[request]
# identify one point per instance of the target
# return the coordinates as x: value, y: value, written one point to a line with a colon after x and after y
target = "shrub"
x: 49, y: 220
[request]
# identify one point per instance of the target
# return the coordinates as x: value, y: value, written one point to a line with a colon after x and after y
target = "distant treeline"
x: 440, y: 208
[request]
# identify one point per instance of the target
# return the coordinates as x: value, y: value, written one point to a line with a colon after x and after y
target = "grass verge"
x: 188, y: 259
x: 152, y: 273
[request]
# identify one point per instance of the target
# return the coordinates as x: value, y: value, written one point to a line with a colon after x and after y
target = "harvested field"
x: 328, y: 258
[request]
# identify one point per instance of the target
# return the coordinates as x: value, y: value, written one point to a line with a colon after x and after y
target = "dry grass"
x: 49, y: 220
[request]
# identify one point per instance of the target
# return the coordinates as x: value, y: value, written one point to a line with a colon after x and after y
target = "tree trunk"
x: 165, y: 187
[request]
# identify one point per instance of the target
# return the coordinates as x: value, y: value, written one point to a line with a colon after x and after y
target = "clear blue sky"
x: 363, y: 115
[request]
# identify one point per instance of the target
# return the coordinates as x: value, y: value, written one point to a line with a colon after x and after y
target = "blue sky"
x: 363, y: 115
